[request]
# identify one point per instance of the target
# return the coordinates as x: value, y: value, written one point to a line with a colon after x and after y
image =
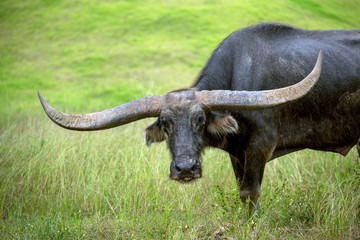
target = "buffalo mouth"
x: 186, y: 179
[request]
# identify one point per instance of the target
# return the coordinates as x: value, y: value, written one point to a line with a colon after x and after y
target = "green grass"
x: 93, y: 55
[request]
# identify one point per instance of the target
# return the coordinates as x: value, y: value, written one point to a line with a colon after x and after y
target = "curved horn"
x: 255, y: 100
x: 129, y: 112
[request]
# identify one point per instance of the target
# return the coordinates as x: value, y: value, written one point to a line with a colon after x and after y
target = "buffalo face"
x: 185, y: 125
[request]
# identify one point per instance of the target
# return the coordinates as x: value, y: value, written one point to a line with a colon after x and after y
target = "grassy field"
x: 93, y: 55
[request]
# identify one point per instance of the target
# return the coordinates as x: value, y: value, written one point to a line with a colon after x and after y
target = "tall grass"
x: 91, y: 55
x: 61, y: 184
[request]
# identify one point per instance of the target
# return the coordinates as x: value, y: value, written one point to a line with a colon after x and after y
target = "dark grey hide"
x: 266, y: 56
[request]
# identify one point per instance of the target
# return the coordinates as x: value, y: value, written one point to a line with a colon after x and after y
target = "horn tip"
x: 40, y: 96
x: 43, y: 102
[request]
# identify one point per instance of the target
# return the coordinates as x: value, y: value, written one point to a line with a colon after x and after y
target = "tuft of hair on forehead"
x: 180, y: 101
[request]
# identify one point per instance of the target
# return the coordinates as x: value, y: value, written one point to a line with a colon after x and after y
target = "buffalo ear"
x: 222, y: 124
x: 154, y: 133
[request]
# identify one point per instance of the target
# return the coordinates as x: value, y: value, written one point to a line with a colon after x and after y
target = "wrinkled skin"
x: 187, y: 127
x: 266, y: 56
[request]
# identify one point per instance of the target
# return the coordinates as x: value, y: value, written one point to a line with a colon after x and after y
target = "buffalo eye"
x: 199, y: 122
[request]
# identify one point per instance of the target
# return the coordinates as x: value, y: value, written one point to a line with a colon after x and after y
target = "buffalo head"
x: 183, y: 121
x: 184, y: 117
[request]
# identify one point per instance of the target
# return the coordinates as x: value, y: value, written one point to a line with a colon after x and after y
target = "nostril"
x: 193, y: 169
x: 177, y: 168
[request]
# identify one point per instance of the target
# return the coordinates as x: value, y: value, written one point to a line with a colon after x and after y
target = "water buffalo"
x: 249, y: 101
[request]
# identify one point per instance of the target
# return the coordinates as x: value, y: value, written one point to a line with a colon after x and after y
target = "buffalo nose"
x: 185, y: 166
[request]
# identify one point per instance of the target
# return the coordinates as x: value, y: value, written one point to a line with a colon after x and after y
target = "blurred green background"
x: 93, y: 55
x: 90, y: 55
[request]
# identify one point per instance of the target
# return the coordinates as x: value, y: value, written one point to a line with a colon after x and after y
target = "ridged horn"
x: 255, y: 100
x: 129, y: 112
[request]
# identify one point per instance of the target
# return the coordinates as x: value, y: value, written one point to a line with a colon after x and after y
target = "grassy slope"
x: 95, y: 55
x: 91, y: 55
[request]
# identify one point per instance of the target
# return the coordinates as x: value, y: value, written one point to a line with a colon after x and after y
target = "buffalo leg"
x: 255, y: 160
x: 248, y: 188
x: 238, y: 164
